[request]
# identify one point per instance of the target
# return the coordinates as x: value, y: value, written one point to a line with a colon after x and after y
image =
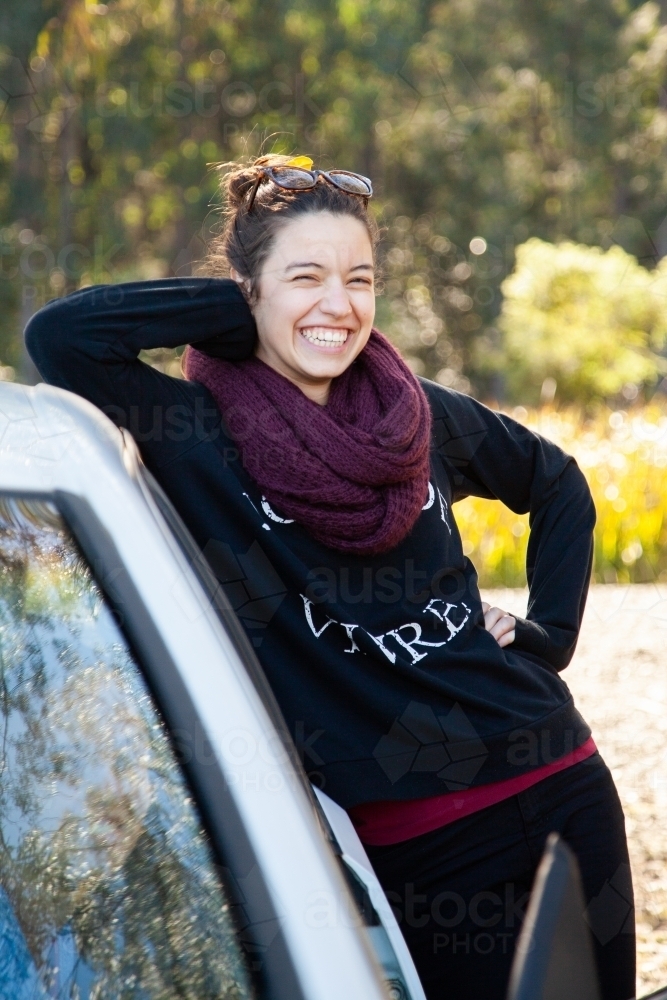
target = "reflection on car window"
x: 108, y: 888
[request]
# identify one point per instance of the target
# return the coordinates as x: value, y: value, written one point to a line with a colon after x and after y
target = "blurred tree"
x: 106, y: 137
x: 481, y: 123
x: 527, y: 120
x: 583, y: 323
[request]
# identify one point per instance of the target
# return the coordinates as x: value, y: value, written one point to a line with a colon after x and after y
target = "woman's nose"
x: 336, y: 301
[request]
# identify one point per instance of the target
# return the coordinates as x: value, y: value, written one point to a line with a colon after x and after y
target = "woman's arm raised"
x: 89, y: 342
x: 487, y: 454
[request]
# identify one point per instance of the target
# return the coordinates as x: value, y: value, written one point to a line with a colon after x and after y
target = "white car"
x: 158, y: 837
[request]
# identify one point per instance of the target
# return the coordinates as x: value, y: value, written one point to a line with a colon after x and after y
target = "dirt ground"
x: 619, y: 681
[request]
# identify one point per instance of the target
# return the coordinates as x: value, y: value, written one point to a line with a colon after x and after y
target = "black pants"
x: 460, y: 893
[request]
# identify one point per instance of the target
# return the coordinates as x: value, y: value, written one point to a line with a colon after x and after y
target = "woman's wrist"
x: 530, y: 637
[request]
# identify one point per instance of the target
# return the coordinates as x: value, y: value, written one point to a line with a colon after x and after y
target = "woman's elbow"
x: 581, y: 496
x: 49, y: 336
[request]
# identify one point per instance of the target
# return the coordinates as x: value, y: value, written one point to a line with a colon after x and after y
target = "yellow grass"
x: 624, y: 458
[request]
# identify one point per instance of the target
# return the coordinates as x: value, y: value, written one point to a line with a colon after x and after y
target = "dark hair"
x: 247, y: 237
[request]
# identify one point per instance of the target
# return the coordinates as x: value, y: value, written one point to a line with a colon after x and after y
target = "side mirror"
x: 554, y: 955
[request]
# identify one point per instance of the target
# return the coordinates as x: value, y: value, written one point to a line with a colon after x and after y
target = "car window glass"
x: 108, y: 887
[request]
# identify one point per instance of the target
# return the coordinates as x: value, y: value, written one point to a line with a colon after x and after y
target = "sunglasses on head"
x: 293, y: 178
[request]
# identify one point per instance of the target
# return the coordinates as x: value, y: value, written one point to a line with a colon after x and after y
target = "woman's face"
x: 316, y: 300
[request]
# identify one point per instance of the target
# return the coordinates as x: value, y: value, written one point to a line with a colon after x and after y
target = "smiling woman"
x: 314, y: 313
x: 304, y: 258
x: 317, y: 475
x: 353, y: 468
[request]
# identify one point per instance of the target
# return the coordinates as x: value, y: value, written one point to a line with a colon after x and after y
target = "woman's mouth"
x: 325, y: 337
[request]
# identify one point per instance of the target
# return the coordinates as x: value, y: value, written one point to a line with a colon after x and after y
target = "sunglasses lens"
x: 353, y: 183
x: 294, y: 178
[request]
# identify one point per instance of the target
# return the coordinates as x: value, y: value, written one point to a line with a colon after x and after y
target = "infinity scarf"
x: 355, y: 472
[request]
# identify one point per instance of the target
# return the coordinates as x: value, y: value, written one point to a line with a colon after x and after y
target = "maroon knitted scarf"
x: 354, y: 472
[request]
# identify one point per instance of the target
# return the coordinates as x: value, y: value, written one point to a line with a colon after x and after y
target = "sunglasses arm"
x: 251, y: 200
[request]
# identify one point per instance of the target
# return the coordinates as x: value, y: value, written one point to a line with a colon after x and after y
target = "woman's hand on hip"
x: 499, y: 624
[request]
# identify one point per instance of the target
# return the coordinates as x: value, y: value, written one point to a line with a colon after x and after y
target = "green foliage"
x: 544, y: 120
x: 591, y: 321
x: 475, y: 118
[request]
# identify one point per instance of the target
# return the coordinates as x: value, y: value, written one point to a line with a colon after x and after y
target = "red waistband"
x: 383, y: 823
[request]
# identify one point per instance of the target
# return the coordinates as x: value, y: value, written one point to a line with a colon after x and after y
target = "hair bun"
x: 247, y: 236
x: 241, y: 178
x: 237, y: 183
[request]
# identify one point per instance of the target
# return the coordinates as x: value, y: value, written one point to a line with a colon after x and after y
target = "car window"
x: 108, y: 886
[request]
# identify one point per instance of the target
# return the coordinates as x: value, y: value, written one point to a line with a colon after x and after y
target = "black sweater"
x: 388, y: 680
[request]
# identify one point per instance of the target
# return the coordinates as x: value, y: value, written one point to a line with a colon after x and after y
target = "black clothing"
x: 460, y: 892
x: 387, y: 678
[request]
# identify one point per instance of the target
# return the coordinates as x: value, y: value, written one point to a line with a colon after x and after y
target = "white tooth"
x: 319, y: 335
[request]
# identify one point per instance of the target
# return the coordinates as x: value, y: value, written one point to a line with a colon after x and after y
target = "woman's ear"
x: 244, y: 283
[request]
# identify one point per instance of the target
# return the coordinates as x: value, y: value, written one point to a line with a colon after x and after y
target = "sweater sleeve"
x: 89, y: 343
x: 487, y: 454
